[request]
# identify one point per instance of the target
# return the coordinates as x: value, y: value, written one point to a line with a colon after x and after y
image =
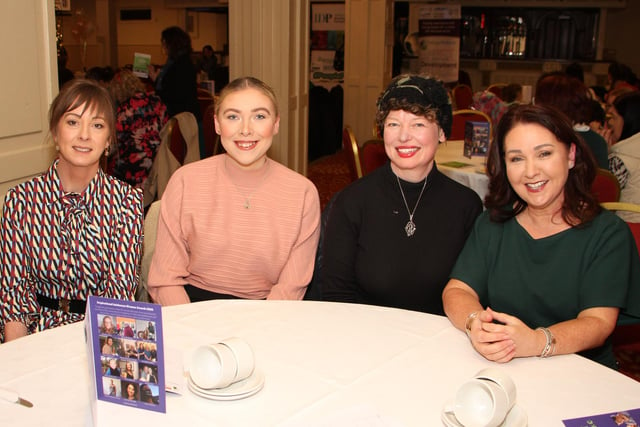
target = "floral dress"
x: 68, y: 245
x: 138, y: 123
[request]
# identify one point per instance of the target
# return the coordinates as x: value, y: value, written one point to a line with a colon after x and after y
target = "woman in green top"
x: 552, y: 268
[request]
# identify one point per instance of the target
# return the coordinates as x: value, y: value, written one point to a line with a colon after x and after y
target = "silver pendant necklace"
x: 410, y: 228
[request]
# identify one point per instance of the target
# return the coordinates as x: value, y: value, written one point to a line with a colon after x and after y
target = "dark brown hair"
x: 580, y: 205
x: 567, y: 94
x: 89, y: 93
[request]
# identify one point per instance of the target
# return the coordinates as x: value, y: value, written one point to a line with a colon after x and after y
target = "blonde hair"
x: 245, y: 83
x: 124, y: 85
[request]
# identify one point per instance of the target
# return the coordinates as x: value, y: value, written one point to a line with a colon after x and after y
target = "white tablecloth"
x: 472, y: 176
x: 326, y: 364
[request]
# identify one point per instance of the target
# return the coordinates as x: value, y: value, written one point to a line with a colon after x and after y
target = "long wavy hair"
x: 580, y: 205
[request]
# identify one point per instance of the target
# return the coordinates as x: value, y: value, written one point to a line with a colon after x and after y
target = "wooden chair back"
x: 350, y: 147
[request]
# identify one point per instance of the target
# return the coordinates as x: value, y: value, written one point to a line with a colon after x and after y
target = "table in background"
x: 321, y: 360
x: 472, y: 176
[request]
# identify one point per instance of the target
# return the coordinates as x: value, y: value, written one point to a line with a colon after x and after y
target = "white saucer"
x: 244, y: 388
x: 517, y: 417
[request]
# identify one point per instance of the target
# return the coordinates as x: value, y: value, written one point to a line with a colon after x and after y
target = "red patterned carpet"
x: 330, y: 174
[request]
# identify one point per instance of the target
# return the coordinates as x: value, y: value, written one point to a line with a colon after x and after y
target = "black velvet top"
x: 368, y: 257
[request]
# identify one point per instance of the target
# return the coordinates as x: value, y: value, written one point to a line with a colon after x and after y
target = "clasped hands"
x: 501, y: 337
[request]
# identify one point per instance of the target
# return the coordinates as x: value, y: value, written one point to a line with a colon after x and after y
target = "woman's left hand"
x: 527, y: 341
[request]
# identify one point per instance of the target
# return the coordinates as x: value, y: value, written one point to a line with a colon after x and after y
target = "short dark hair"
x: 580, y: 205
x: 628, y: 107
x: 567, y: 94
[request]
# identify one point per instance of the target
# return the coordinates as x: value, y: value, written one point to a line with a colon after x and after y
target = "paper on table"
x: 630, y: 417
x: 455, y: 164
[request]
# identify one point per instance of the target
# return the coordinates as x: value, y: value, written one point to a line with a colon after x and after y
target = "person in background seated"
x: 512, y: 93
x: 139, y: 118
x: 623, y: 131
x: 572, y: 97
x: 73, y: 231
x: 545, y: 270
x: 64, y: 74
x: 393, y: 236
x: 208, y: 62
x: 237, y: 225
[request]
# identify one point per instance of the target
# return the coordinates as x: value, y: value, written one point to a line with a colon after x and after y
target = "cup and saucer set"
x: 487, y: 400
x: 224, y: 371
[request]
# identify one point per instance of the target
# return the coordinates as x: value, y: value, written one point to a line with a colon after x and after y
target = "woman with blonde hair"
x: 239, y: 224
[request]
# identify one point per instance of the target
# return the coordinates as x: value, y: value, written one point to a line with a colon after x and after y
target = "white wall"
x: 28, y: 84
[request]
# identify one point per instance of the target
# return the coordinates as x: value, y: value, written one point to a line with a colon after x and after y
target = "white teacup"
x: 500, y: 377
x: 481, y: 403
x: 244, y: 356
x: 213, y: 366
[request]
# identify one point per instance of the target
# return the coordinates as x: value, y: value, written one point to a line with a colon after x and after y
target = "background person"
x: 73, y: 231
x: 393, y: 236
x: 572, y: 97
x: 624, y: 158
x: 139, y: 118
x: 237, y: 225
x: 545, y: 270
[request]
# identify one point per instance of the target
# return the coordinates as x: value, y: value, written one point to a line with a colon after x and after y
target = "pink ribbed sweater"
x: 207, y: 238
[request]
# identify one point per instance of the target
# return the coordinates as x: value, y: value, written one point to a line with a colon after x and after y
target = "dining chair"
x: 209, y: 132
x: 177, y: 143
x: 462, y: 97
x: 461, y: 117
x: 350, y: 147
x: 372, y: 155
x: 496, y: 89
x: 626, y: 337
x: 605, y: 186
x: 148, y: 246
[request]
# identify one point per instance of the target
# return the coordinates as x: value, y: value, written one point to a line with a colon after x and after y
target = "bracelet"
x: 550, y: 346
x: 467, y: 323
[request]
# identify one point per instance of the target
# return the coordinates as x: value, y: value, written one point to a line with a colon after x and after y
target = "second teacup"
x: 213, y: 366
x: 481, y: 403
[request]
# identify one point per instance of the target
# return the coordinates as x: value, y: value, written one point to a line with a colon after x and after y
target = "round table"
x: 326, y: 364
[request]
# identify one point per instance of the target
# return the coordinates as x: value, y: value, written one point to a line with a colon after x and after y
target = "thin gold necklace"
x: 247, y: 198
x: 410, y: 228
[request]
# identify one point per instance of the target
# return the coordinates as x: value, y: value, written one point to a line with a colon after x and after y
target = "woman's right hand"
x: 493, y: 345
x: 607, y: 133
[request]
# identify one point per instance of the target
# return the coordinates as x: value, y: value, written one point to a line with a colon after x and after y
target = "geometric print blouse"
x: 67, y: 245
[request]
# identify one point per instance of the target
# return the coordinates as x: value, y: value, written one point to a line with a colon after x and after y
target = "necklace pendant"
x: 410, y: 228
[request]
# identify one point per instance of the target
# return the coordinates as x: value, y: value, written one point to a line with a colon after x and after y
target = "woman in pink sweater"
x: 237, y: 225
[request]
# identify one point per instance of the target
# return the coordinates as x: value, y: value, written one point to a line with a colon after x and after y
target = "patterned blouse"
x: 138, y: 123
x: 67, y: 245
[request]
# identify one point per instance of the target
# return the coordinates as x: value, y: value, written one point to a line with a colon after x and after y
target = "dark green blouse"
x: 549, y: 280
